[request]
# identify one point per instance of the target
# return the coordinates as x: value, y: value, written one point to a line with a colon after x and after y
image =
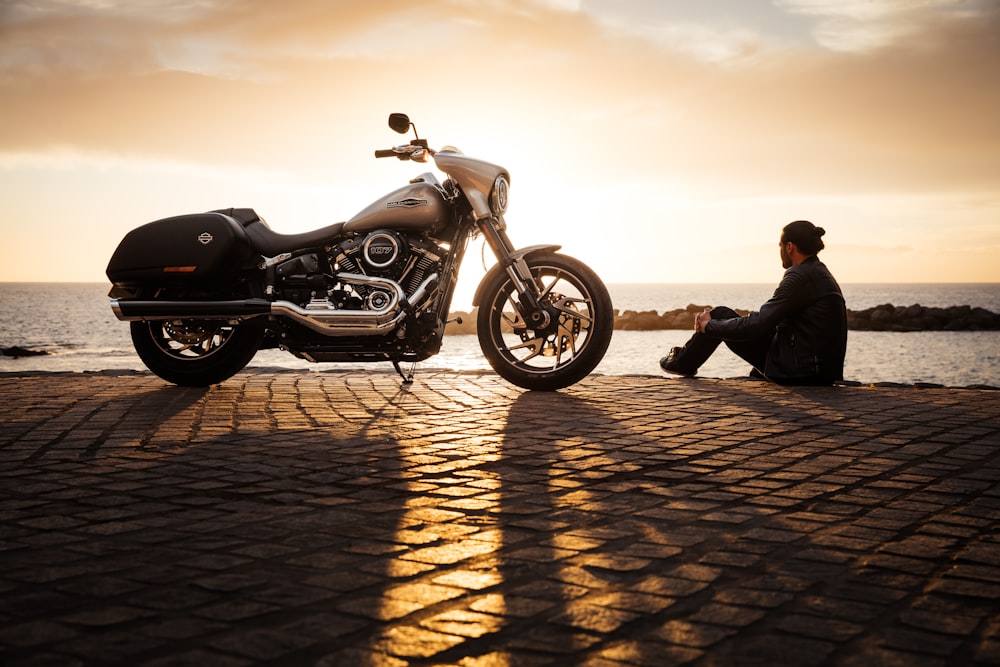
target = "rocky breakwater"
x: 629, y: 320
x: 922, y: 318
x: 650, y: 320
x: 880, y: 318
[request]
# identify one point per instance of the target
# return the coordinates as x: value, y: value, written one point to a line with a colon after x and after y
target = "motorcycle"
x: 204, y: 292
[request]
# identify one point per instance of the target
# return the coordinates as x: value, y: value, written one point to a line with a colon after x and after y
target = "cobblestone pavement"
x: 337, y: 518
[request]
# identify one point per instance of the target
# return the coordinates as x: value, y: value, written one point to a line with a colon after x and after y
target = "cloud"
x: 705, y: 42
x: 917, y: 114
x: 69, y: 160
x: 865, y: 25
x: 250, y: 82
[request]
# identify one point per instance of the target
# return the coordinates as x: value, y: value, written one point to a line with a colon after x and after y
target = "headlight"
x: 500, y: 195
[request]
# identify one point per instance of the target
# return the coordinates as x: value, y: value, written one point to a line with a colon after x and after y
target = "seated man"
x: 798, y: 337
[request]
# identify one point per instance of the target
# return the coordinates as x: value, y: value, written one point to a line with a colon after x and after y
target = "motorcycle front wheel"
x: 562, y: 349
x: 197, y: 353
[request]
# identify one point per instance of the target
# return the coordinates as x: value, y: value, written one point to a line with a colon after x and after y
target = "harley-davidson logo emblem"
x: 204, y: 238
x: 409, y: 202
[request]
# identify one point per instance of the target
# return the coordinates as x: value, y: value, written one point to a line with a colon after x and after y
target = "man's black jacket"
x: 806, y: 320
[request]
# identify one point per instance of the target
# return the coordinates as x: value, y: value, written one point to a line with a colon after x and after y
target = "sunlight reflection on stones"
x: 450, y: 544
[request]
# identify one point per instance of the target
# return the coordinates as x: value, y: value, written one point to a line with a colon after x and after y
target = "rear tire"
x: 197, y: 353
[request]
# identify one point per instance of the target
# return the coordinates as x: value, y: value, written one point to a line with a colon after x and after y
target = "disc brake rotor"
x: 561, y: 333
x: 188, y: 333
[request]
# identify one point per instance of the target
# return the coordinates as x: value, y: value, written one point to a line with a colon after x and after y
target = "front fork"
x: 513, y: 261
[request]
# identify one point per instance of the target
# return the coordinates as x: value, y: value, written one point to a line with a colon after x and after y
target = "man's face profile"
x: 786, y: 254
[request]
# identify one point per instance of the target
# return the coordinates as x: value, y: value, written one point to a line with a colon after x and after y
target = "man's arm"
x: 787, y: 298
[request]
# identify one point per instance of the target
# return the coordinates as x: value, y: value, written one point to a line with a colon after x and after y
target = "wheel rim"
x: 190, y: 340
x: 562, y: 340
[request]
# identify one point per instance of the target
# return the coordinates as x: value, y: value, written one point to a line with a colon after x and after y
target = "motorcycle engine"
x: 388, y: 254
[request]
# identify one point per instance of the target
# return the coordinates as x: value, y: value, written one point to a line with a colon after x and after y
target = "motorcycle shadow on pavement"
x: 570, y: 579
x: 135, y: 419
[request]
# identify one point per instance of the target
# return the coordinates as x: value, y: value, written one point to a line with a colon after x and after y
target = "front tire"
x: 567, y: 346
x: 197, y: 353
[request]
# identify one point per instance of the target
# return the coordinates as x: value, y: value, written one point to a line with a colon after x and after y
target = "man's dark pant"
x: 701, y: 346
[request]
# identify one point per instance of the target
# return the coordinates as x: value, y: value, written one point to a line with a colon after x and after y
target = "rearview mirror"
x: 399, y: 122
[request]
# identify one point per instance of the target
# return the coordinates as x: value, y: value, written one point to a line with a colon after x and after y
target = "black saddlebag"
x: 199, y: 249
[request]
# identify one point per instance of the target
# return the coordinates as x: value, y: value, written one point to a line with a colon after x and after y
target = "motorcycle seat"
x: 270, y: 243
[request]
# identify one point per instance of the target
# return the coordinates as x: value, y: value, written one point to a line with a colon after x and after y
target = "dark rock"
x: 919, y: 318
x: 17, y: 351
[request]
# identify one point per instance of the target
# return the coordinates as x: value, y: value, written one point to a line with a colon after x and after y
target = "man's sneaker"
x: 669, y: 363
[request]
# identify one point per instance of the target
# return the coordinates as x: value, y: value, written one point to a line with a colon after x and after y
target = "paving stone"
x: 471, y: 580
x: 513, y: 606
x: 727, y: 615
x: 336, y: 518
x: 260, y: 644
x: 645, y: 654
x: 988, y: 652
x: 628, y: 601
x: 752, y: 597
x: 686, y: 633
x: 925, y: 643
x: 464, y: 623
x: 774, y: 649
x: 820, y: 628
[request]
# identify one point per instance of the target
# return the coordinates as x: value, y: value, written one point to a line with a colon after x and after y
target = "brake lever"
x: 414, y: 152
x: 403, y: 151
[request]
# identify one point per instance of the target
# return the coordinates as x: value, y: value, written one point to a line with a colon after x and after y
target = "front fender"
x: 514, y: 256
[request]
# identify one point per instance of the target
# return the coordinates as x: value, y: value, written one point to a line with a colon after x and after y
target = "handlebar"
x: 418, y: 151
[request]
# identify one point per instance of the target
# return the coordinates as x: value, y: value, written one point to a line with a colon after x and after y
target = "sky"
x: 656, y: 140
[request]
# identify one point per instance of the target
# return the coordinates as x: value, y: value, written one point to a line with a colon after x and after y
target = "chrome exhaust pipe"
x: 320, y: 316
x: 332, y: 322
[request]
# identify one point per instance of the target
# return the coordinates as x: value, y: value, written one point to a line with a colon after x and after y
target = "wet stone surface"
x: 337, y: 518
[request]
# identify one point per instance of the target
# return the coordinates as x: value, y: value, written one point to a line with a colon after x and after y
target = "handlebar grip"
x: 388, y: 152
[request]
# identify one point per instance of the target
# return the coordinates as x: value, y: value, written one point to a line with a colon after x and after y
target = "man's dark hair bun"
x: 805, y: 235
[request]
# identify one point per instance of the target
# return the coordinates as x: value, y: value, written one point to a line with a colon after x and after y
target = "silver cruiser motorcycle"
x: 203, y: 292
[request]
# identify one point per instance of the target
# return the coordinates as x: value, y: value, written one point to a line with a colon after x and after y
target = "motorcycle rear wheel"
x: 568, y: 347
x: 197, y: 353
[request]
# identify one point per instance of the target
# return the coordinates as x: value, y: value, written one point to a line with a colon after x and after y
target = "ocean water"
x: 73, y: 322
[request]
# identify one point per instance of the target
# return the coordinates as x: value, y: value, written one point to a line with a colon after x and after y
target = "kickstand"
x: 407, y: 377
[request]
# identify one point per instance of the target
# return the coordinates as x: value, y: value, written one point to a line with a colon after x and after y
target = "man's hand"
x: 701, y: 319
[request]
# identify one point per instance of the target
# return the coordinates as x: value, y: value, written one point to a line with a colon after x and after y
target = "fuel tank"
x: 419, y: 206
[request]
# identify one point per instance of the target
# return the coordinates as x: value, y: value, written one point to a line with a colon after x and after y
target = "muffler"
x: 320, y: 316
x: 128, y: 310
